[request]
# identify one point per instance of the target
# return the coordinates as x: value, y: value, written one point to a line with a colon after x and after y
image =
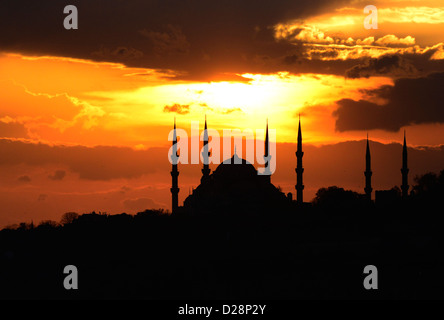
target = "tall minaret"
x: 405, y: 171
x: 267, y: 156
x: 299, y: 169
x: 368, y: 173
x: 205, y: 155
x: 174, y: 173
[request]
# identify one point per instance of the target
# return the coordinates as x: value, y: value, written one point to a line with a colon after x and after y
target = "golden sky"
x: 95, y: 103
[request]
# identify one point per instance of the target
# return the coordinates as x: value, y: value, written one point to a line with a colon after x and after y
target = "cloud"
x: 219, y: 110
x: 365, y: 57
x: 202, y: 38
x: 120, y: 53
x: 393, y: 65
x: 206, y: 41
x: 90, y: 163
x: 125, y: 189
x: 438, y: 52
x: 303, y: 33
x: 340, y: 60
x: 24, y: 179
x: 297, y: 32
x: 9, y: 128
x: 171, y: 41
x: 391, y: 39
x: 30, y: 113
x: 231, y: 110
x: 323, y: 50
x: 412, y: 14
x: 409, y: 101
x: 58, y: 175
x: 177, y: 108
x: 366, y: 42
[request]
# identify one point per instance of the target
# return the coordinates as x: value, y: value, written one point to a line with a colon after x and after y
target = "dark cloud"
x: 193, y: 40
x: 201, y: 39
x: 12, y: 130
x: 409, y: 101
x: 58, y: 175
x: 411, y: 62
x: 419, y: 64
x: 122, y: 54
x: 24, y: 179
x: 171, y: 41
x: 393, y: 65
x: 177, y: 108
x: 97, y: 163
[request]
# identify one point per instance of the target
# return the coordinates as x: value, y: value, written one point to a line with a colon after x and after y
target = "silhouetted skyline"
x: 203, y: 198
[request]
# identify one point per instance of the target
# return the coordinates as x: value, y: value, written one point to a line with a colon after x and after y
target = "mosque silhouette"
x: 236, y: 186
x: 236, y: 237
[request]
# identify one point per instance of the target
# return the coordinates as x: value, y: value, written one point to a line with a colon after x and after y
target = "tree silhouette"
x: 337, y: 198
x: 290, y: 253
x: 68, y: 218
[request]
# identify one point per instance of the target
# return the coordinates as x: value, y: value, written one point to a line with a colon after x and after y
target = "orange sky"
x: 70, y: 101
x: 81, y: 100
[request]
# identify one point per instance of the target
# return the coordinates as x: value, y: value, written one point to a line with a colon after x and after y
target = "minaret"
x: 205, y: 156
x: 368, y: 173
x: 174, y: 173
x: 267, y: 156
x: 404, y: 171
x: 299, y: 169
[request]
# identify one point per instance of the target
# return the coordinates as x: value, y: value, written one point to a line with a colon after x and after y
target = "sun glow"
x: 101, y: 108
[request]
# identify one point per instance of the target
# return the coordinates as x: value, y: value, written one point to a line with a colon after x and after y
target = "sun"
x: 249, y: 97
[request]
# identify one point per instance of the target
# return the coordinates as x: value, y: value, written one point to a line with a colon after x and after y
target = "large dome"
x: 233, y: 187
x: 235, y: 168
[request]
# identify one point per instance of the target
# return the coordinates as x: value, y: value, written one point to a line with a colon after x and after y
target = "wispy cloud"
x: 177, y: 108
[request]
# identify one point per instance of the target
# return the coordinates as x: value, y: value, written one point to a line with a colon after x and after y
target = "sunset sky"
x: 85, y: 114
